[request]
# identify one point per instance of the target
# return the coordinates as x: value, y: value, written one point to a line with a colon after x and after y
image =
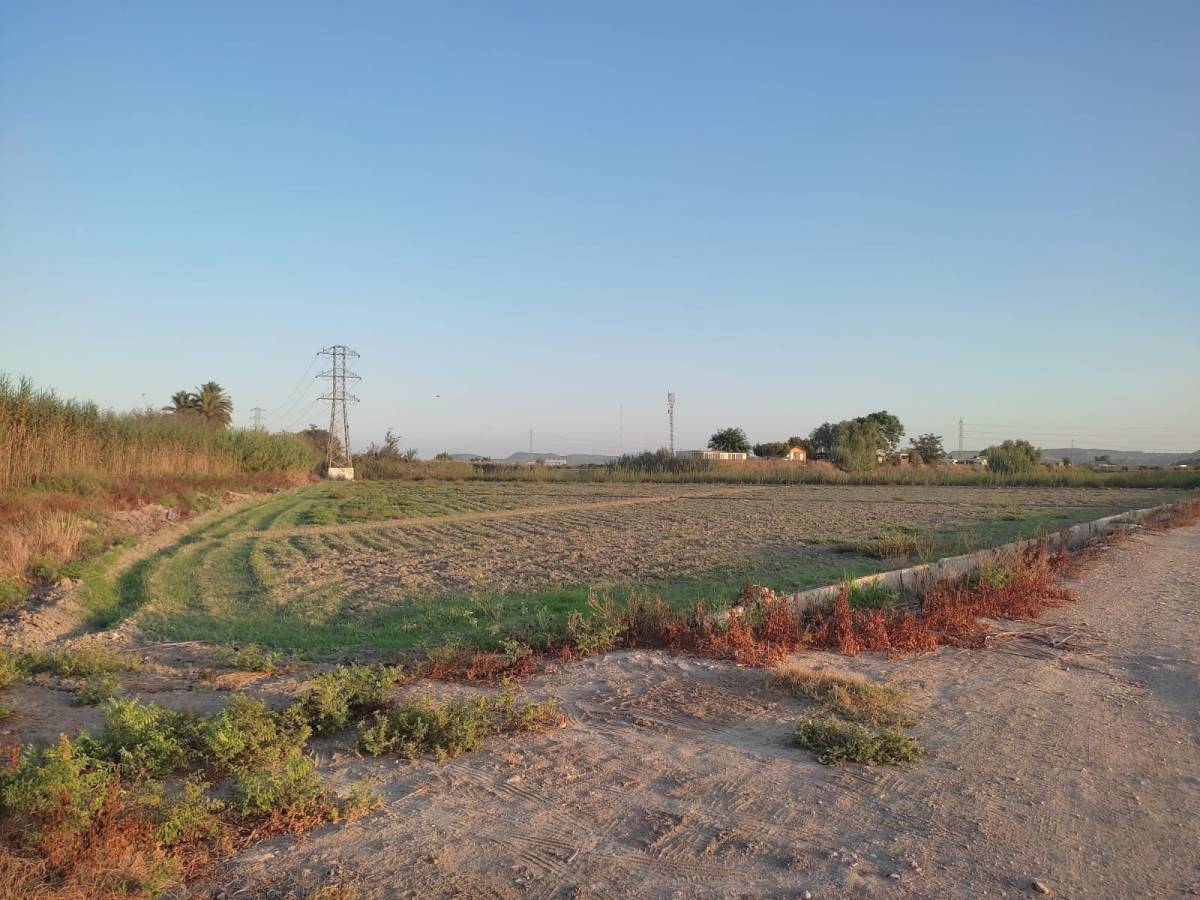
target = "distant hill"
x: 1119, y: 457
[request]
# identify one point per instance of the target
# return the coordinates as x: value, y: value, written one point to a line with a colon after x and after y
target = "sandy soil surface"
x: 1068, y: 752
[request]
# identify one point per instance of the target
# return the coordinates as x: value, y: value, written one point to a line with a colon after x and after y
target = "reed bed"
x: 43, y: 436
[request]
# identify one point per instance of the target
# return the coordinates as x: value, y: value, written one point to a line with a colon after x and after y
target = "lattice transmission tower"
x: 338, y: 454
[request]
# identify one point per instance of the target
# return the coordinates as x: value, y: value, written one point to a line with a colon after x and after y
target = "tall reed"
x: 43, y: 435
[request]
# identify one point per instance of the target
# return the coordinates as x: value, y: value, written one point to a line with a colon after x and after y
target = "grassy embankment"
x: 67, y: 466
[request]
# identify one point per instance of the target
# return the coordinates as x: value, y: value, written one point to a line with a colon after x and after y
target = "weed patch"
x: 250, y: 658
x: 82, y: 661
x: 12, y: 668
x: 450, y: 729
x: 98, y: 689
x: 835, y: 741
x: 334, y: 697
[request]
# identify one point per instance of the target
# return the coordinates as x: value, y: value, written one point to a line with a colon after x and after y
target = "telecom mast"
x: 671, y: 420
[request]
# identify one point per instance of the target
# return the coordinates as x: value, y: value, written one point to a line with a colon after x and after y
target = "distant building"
x: 721, y: 455
x: 797, y: 454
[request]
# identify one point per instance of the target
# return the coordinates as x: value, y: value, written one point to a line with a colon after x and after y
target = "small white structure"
x: 722, y: 455
x: 340, y: 473
x: 797, y: 454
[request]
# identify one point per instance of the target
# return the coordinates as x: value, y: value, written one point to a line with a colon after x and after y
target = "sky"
x: 547, y: 215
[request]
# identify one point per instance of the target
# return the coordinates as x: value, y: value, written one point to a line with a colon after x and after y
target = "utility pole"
x: 258, y: 417
x: 960, y: 434
x: 530, y: 440
x: 671, y: 420
x: 339, y: 461
x: 620, y: 429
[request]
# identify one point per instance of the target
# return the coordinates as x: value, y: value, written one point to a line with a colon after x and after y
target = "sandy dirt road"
x: 1067, y: 753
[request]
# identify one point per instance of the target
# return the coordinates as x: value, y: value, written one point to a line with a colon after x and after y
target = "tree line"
x: 856, y: 444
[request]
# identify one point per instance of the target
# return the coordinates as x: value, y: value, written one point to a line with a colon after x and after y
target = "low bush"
x: 834, y: 741
x: 416, y: 728
x: 13, y: 592
x: 247, y: 734
x: 98, y: 689
x: 334, y: 697
x: 82, y: 661
x: 143, y: 739
x: 289, y: 787
x: 13, y: 668
x: 250, y: 658
x: 190, y: 816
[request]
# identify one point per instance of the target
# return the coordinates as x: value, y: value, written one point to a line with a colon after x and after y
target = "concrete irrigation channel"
x: 916, y: 579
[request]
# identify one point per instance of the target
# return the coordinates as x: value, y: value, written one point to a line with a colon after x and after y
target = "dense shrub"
x: 1013, y: 458
x: 335, y: 696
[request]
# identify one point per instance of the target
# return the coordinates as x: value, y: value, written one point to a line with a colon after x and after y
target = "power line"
x: 299, y: 420
x: 338, y: 453
x: 258, y: 417
x: 292, y: 396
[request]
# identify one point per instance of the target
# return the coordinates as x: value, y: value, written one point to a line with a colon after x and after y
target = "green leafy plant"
x: 834, y: 741
x: 83, y: 660
x: 334, y: 697
x: 98, y: 689
x: 143, y: 739
x: 250, y: 658
x: 450, y: 729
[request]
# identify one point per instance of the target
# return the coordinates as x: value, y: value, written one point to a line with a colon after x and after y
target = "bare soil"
x: 1067, y: 753
x: 361, y: 569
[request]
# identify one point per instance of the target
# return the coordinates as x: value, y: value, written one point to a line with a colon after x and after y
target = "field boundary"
x: 914, y: 579
x: 422, y: 521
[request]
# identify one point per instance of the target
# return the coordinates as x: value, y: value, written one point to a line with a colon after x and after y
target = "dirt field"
x: 1066, y: 753
x: 321, y: 569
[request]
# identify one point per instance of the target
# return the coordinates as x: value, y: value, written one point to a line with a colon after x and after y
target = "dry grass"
x: 849, y: 697
x: 36, y: 535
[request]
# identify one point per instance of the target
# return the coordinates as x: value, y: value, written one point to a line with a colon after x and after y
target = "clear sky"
x: 530, y: 215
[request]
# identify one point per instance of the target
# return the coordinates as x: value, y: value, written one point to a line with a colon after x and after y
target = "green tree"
x: 855, y: 444
x: 182, y: 402
x: 772, y: 449
x: 821, y: 439
x: 797, y: 441
x: 731, y: 440
x: 1013, y: 457
x: 213, y: 405
x: 929, y: 447
x: 889, y: 428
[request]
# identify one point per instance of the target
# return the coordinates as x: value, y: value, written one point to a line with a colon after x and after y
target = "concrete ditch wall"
x: 915, y: 579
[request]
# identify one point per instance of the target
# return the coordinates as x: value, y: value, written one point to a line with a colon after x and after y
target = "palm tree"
x: 213, y: 405
x: 181, y: 402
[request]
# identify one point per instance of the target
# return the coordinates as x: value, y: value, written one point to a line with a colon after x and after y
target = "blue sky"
x: 531, y: 215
